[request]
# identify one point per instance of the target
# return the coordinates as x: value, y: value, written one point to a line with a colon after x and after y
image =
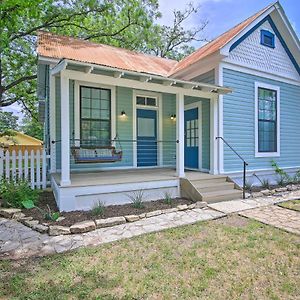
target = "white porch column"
x: 180, y: 134
x: 65, y: 130
x: 213, y: 134
x: 52, y: 123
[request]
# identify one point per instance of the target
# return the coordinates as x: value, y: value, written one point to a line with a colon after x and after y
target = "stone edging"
x: 279, y: 191
x: 88, y: 225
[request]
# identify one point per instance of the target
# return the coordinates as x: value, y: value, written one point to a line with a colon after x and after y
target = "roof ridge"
x: 255, y: 15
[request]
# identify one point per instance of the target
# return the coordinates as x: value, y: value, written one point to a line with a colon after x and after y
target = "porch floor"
x: 125, y: 176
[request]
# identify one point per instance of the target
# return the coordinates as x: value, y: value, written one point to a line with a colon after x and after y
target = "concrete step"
x: 221, y: 195
x: 213, y: 186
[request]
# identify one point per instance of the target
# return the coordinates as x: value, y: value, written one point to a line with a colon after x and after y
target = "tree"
x: 32, y: 127
x: 124, y: 23
x: 106, y: 21
x: 8, y: 121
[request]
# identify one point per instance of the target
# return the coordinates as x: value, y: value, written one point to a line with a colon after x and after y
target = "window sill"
x: 267, y: 154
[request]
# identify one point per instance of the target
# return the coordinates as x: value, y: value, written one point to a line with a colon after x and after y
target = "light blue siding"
x: 239, y: 122
x: 208, y: 77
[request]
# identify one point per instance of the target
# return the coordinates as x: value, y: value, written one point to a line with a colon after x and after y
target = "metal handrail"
x: 244, y: 162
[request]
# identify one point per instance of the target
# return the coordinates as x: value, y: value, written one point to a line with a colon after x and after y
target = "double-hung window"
x: 95, y: 116
x: 267, y: 120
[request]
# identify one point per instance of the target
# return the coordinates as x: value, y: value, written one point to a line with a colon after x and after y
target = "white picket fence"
x: 25, y: 166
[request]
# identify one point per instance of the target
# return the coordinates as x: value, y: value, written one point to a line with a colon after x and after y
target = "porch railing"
x: 139, y: 152
x: 245, y: 164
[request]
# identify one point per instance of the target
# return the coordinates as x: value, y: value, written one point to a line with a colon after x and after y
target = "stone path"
x: 279, y: 217
x: 19, y: 241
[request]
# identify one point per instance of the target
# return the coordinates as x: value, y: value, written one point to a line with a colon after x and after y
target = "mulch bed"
x: 47, y: 198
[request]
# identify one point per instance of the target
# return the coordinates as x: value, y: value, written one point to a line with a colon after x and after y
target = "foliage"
x: 283, y: 176
x: 168, y: 198
x: 248, y: 185
x: 265, y: 183
x: 137, y: 199
x: 8, y: 121
x: 13, y: 193
x: 124, y: 23
x: 32, y: 127
x: 98, y: 209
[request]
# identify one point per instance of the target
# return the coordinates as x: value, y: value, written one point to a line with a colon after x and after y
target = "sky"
x: 221, y: 16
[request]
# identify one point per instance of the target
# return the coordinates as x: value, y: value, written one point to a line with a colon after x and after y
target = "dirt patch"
x: 234, y: 221
x: 47, y: 198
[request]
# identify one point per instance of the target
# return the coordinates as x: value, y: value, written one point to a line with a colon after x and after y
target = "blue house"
x: 119, y: 121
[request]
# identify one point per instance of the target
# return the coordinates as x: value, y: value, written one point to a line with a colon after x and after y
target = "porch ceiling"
x: 137, y: 80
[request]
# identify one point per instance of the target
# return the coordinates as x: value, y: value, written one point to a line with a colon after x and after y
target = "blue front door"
x: 191, y: 139
x: 146, y: 138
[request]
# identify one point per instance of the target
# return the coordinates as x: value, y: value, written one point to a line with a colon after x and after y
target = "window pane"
x: 85, y: 92
x: 104, y: 114
x: 86, y: 113
x: 105, y: 104
x: 95, y: 114
x: 95, y: 93
x: 140, y: 100
x: 105, y: 95
x: 86, y: 103
x: 151, y: 101
x: 96, y: 103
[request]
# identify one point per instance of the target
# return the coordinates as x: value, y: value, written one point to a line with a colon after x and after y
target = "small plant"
x: 137, y: 199
x: 284, y: 176
x: 168, y: 198
x: 98, y: 209
x: 14, y: 193
x: 265, y: 183
x: 248, y: 185
x: 296, y: 177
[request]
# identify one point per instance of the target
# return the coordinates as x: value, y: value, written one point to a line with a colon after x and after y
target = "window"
x: 192, y: 133
x: 267, y: 120
x: 267, y: 38
x: 148, y: 101
x: 95, y: 112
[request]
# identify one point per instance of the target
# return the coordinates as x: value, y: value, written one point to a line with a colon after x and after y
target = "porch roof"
x: 138, y: 80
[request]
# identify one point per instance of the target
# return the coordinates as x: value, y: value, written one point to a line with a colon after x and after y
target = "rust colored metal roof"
x: 216, y: 44
x: 64, y: 47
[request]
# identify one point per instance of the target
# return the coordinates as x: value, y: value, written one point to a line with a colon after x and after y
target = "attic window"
x: 267, y: 38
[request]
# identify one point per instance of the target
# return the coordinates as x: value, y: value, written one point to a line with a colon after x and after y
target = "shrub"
x: 98, y: 209
x: 265, y: 183
x: 284, y: 176
x: 137, y: 199
x: 168, y: 198
x: 13, y: 193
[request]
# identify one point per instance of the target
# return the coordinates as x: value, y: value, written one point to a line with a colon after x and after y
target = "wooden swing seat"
x: 96, y: 154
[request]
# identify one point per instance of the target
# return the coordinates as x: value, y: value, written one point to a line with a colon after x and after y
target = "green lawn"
x: 293, y: 204
x: 231, y: 258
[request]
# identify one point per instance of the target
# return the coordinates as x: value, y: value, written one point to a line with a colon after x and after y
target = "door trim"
x: 159, y: 124
x: 199, y: 106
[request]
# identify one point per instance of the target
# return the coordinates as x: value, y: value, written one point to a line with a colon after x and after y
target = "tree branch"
x: 24, y: 78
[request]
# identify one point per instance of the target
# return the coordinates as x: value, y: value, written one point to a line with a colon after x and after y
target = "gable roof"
x: 216, y: 44
x: 64, y: 47
x: 20, y: 139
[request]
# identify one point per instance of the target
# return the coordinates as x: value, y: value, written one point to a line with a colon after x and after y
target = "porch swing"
x: 97, y: 154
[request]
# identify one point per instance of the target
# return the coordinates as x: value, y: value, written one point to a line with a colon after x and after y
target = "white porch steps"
x: 209, y: 188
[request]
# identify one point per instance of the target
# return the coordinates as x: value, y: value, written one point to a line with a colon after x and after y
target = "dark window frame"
x: 268, y: 34
x: 275, y: 122
x: 94, y: 119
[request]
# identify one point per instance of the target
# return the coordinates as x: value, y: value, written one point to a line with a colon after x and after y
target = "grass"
x: 231, y: 258
x: 293, y: 204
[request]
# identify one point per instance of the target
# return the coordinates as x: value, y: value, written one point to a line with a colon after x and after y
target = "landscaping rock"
x: 82, y: 227
x: 9, y: 212
x: 132, y: 218
x: 201, y: 204
x: 153, y: 213
x: 182, y: 207
x: 30, y: 223
x: 247, y: 195
x: 142, y: 216
x: 41, y: 228
x: 170, y: 210
x: 59, y: 230
x: 257, y: 194
x: 110, y: 222
x: 266, y: 192
x: 59, y: 219
x: 192, y: 206
x: 282, y: 189
x: 18, y: 216
x: 292, y: 187
x: 23, y: 219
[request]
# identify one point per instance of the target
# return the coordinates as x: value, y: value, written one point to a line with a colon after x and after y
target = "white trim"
x: 213, y: 134
x: 52, y: 123
x: 252, y: 71
x: 112, y: 89
x: 180, y: 134
x: 277, y: 89
x: 159, y: 121
x: 198, y: 105
x: 219, y: 81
